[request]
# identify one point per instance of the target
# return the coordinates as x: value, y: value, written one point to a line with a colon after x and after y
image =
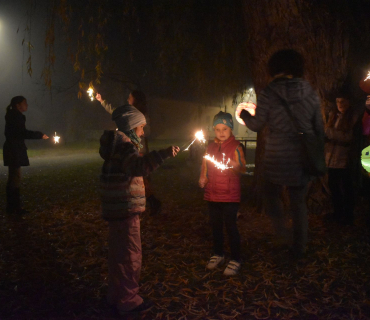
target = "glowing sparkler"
x: 219, y: 165
x: 90, y: 91
x: 368, y: 76
x: 198, y: 136
x: 56, y: 138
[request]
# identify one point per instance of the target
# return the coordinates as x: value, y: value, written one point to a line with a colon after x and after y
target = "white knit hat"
x: 127, y: 118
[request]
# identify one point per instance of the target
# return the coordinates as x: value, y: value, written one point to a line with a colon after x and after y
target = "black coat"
x: 15, y: 150
x: 283, y: 162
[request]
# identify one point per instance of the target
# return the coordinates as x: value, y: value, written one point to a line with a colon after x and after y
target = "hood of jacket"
x: 111, y: 142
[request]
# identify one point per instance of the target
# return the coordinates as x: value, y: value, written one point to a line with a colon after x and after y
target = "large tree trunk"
x: 313, y: 30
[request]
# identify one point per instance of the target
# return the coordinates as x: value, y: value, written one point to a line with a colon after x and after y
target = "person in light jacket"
x: 122, y: 194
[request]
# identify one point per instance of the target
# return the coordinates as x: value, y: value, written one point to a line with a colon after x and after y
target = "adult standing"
x: 283, y: 159
x: 15, y: 150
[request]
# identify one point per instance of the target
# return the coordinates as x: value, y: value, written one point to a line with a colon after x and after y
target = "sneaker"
x: 232, y: 268
x: 141, y: 308
x: 214, y: 262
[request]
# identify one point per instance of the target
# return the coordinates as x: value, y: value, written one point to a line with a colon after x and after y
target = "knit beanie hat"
x: 127, y: 118
x: 224, y: 118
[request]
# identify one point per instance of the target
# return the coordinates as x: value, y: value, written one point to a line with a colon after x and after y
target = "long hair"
x: 139, y: 100
x: 15, y: 100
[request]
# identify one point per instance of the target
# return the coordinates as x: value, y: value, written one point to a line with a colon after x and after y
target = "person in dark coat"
x: 15, y: 150
x: 283, y: 160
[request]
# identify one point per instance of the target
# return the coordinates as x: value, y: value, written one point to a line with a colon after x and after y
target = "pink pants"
x: 124, y: 263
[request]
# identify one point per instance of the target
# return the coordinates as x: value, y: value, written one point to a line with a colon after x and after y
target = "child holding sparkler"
x: 123, y: 199
x: 222, y: 191
x: 137, y: 99
x: 15, y: 150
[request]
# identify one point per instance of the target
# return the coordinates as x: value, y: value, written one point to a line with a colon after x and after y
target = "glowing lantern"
x: 249, y: 106
x: 365, y: 159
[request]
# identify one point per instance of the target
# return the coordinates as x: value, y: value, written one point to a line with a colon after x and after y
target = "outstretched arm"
x: 258, y: 121
x: 107, y: 106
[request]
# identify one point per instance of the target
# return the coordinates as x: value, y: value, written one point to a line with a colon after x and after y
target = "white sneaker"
x: 232, y: 268
x: 214, y: 262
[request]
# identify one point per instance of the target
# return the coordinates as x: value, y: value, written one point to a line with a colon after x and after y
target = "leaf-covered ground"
x: 53, y: 261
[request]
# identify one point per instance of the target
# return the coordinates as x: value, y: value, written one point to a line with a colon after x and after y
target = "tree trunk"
x: 316, y: 31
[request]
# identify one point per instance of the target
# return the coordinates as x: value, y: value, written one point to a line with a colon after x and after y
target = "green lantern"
x: 365, y: 158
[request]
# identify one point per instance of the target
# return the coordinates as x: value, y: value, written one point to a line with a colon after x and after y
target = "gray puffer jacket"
x: 283, y: 162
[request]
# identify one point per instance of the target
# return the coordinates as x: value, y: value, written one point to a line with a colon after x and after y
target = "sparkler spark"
x: 368, y: 76
x: 219, y: 165
x: 198, y: 136
x: 56, y: 138
x: 90, y: 91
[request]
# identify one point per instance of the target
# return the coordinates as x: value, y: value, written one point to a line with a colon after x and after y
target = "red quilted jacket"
x: 222, y: 186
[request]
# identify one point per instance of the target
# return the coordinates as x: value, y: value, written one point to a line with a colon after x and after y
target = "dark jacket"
x: 283, y: 161
x: 15, y: 150
x: 122, y: 188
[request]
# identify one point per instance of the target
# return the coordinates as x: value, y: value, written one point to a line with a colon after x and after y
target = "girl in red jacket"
x: 222, y: 191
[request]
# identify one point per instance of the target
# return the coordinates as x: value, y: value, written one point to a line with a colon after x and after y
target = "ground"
x: 53, y: 261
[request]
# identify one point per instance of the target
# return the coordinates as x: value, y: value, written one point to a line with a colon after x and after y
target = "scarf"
x: 134, y: 138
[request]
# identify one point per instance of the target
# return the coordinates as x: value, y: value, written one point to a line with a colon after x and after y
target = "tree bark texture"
x: 315, y: 30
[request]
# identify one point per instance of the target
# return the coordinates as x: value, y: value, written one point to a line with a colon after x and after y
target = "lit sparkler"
x: 368, y: 76
x: 90, y: 91
x: 198, y: 136
x: 219, y: 165
x: 56, y: 138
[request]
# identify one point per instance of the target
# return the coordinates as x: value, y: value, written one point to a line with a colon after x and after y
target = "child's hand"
x: 202, y: 182
x: 173, y: 151
x: 234, y: 164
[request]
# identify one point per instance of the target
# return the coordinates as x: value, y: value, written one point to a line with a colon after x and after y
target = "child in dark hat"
x: 222, y: 191
x: 123, y: 199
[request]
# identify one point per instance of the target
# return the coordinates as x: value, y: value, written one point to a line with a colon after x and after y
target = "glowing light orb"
x: 248, y: 106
